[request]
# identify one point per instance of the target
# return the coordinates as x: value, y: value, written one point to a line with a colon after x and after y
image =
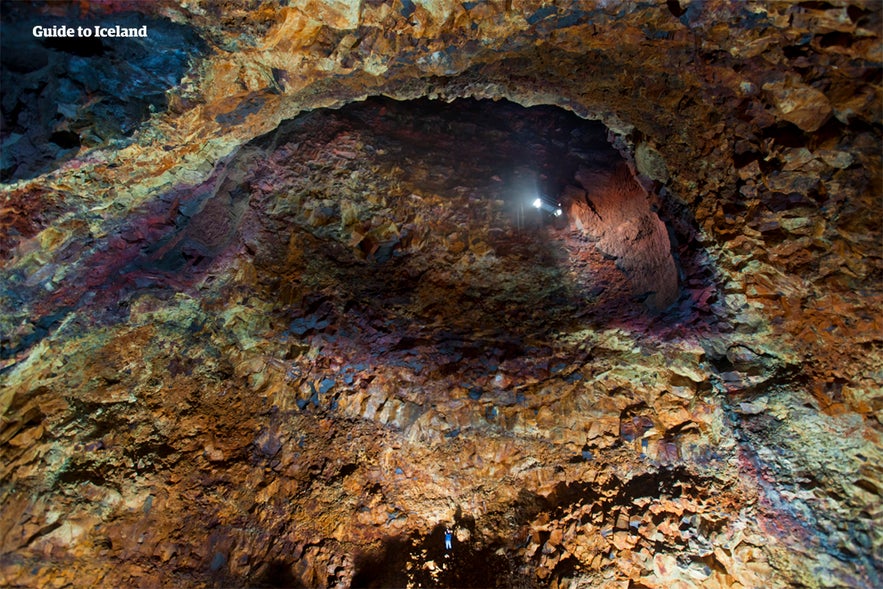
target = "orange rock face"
x: 286, y: 291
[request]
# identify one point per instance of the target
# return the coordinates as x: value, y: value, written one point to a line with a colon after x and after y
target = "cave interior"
x: 290, y: 289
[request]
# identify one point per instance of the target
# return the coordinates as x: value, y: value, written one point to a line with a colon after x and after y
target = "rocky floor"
x: 253, y: 349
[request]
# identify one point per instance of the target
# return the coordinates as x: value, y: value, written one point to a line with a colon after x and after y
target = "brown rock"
x: 235, y: 352
x: 798, y: 103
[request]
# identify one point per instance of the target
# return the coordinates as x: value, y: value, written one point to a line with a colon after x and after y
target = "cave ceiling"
x: 287, y: 288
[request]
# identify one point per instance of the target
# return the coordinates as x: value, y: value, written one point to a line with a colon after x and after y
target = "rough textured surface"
x: 62, y: 94
x: 236, y: 353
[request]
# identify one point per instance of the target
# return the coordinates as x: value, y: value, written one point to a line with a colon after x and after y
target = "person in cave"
x: 449, y: 534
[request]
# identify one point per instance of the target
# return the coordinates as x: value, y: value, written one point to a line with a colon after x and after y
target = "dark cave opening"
x: 65, y: 139
x: 508, y: 186
x: 423, y: 561
x: 279, y: 574
x: 404, y: 234
x: 392, y: 228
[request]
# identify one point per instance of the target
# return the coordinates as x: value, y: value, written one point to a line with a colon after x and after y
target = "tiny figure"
x: 448, y: 535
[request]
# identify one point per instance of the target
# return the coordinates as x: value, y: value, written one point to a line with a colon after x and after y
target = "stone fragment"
x: 651, y: 163
x: 836, y: 159
x: 798, y: 103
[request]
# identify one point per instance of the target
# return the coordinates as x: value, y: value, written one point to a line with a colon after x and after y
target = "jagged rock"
x: 800, y: 104
x: 280, y: 318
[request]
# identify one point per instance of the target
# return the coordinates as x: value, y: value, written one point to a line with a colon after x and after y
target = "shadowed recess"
x: 536, y: 226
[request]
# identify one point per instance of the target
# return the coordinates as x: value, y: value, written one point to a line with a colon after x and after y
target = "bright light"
x: 538, y: 203
x: 558, y: 212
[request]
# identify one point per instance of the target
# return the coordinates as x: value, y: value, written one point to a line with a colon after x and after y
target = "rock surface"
x: 237, y: 351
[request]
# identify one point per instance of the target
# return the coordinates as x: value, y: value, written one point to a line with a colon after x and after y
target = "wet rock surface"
x: 238, y: 351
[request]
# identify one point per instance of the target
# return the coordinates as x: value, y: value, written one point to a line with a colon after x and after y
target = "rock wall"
x: 234, y: 353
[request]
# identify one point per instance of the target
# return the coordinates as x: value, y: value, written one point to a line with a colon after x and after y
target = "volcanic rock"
x: 288, y: 289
